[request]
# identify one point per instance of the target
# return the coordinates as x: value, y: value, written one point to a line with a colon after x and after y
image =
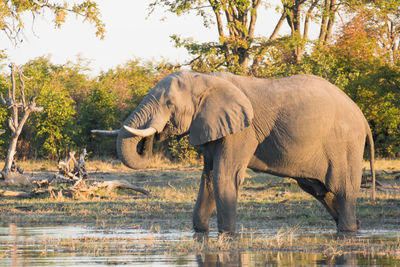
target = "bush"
x: 179, y: 149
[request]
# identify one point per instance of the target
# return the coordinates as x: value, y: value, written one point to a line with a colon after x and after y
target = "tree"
x: 238, y: 50
x: 382, y: 18
x: 235, y: 21
x: 373, y: 81
x: 12, y: 11
x: 51, y: 134
x: 15, y: 122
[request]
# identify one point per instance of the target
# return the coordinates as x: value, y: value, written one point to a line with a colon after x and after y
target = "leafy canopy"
x: 13, y: 14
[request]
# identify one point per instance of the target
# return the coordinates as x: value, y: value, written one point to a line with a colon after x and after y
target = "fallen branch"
x: 117, y: 184
x: 81, y: 186
x: 71, y: 169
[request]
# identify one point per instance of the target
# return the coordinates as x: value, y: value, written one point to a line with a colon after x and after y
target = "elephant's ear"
x: 222, y: 111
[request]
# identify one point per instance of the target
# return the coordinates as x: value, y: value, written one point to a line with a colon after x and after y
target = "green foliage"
x: 98, y: 111
x: 53, y: 127
x: 180, y: 150
x: 48, y: 133
x: 129, y: 83
x: 12, y: 14
x: 363, y: 60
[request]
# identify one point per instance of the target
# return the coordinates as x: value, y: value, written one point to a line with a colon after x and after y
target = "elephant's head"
x: 204, y: 106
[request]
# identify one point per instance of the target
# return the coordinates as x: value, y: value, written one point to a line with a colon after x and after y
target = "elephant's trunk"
x: 135, y: 138
x: 134, y: 151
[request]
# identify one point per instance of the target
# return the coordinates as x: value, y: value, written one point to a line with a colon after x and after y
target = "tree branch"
x: 278, y: 26
x: 253, y: 17
x: 307, y: 18
x: 217, y: 13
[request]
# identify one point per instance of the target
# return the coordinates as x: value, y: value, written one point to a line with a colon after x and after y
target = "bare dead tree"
x: 15, y: 122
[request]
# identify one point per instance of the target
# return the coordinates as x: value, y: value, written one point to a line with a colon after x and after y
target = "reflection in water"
x: 14, y: 247
x: 285, y: 258
x: 223, y: 259
x: 82, y: 246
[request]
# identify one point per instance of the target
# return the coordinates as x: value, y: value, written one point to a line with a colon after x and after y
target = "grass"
x: 286, y: 212
x: 384, y: 164
x: 158, y: 161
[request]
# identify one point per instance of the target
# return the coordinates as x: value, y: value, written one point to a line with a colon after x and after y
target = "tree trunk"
x: 14, y: 123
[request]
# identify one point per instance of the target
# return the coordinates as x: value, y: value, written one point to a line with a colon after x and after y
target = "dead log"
x: 41, y: 183
x: 117, y: 184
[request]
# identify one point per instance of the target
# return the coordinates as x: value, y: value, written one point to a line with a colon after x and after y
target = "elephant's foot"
x: 200, y: 237
x: 358, y: 227
x: 348, y: 234
x: 227, y: 236
x: 348, y: 231
x: 200, y: 227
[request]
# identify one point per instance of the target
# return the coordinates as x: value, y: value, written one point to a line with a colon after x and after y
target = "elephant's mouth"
x: 140, y: 148
x: 168, y: 131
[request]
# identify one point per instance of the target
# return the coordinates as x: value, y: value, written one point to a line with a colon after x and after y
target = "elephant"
x: 301, y: 127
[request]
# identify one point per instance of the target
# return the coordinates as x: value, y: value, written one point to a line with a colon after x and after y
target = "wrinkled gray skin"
x: 301, y: 127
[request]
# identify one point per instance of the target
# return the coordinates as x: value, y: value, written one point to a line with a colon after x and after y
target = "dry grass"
x: 174, y: 191
x: 384, y: 164
x: 275, y: 219
x: 158, y: 161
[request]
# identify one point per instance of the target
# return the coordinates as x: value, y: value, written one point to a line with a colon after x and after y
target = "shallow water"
x: 82, y: 246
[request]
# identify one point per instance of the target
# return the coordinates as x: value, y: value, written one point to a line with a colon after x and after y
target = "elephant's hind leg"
x: 347, y: 213
x: 318, y: 190
x: 345, y: 181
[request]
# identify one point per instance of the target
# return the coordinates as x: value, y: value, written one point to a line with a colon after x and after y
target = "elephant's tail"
x: 370, y: 141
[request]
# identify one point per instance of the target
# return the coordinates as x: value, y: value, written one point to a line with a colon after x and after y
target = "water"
x: 88, y: 246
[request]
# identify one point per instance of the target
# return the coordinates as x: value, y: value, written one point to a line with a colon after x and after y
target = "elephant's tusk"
x: 141, y: 132
x: 106, y: 132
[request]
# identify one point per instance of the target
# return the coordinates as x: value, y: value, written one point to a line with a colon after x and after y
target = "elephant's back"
x: 304, y: 97
x: 300, y: 102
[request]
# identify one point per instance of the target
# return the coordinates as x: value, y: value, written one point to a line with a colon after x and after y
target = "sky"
x: 130, y: 33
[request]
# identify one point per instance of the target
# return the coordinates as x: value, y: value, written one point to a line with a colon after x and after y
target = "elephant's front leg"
x: 230, y: 163
x: 205, y: 204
